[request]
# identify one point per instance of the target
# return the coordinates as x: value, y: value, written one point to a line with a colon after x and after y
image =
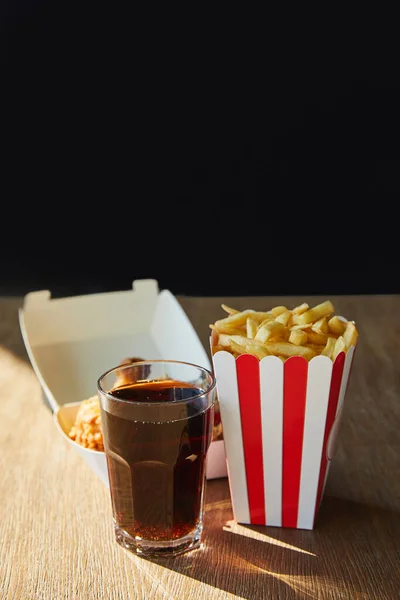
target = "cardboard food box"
x: 72, y: 341
x: 280, y: 425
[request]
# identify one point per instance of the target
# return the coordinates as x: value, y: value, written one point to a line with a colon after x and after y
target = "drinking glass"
x: 157, y: 418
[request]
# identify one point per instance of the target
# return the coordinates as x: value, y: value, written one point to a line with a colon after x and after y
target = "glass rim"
x: 156, y: 361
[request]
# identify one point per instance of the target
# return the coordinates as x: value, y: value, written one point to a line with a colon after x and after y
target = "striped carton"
x: 280, y: 422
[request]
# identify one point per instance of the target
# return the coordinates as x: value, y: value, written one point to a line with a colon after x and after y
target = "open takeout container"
x: 280, y: 422
x: 72, y: 341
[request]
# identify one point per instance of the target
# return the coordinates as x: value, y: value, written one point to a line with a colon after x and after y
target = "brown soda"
x: 157, y: 468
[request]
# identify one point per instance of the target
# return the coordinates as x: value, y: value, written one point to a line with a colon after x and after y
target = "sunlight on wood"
x: 302, y: 584
x: 234, y: 527
x: 159, y: 579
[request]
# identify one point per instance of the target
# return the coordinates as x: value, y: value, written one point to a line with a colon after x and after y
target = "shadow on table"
x: 352, y: 553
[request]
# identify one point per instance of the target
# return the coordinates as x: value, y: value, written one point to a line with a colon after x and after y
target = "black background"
x: 220, y: 154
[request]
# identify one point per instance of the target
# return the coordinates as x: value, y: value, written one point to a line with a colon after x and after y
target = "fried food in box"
x: 86, y: 430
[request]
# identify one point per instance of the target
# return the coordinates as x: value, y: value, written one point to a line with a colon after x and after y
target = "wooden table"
x: 56, y: 534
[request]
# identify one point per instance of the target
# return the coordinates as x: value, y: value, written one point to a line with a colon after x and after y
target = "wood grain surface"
x: 56, y: 536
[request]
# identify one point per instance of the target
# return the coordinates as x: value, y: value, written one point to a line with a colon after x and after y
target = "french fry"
x: 329, y: 348
x: 227, y: 329
x: 259, y: 353
x: 261, y: 317
x: 320, y: 326
x: 305, y: 326
x: 234, y: 320
x: 281, y: 336
x: 278, y: 310
x: 299, y: 310
x: 316, y: 347
x: 257, y: 350
x: 283, y: 332
x: 266, y: 331
x: 284, y: 317
x: 325, y: 309
x: 243, y: 341
x: 217, y: 348
x: 298, y: 337
x: 340, y: 346
x: 287, y: 349
x: 223, y: 340
x: 336, y: 325
x: 251, y: 327
x: 229, y: 310
x: 265, y: 321
x: 317, y: 338
x: 236, y: 347
x: 350, y: 335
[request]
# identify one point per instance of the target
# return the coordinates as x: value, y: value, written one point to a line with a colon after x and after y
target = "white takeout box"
x: 72, y: 341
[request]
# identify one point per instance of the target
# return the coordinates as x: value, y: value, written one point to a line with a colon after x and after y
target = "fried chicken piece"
x: 86, y: 430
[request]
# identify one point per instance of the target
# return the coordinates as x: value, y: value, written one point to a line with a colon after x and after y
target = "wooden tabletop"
x: 56, y: 534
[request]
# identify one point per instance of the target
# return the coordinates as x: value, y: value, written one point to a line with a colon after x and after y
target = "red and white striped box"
x: 280, y: 422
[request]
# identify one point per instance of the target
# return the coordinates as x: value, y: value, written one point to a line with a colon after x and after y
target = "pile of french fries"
x: 300, y: 331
